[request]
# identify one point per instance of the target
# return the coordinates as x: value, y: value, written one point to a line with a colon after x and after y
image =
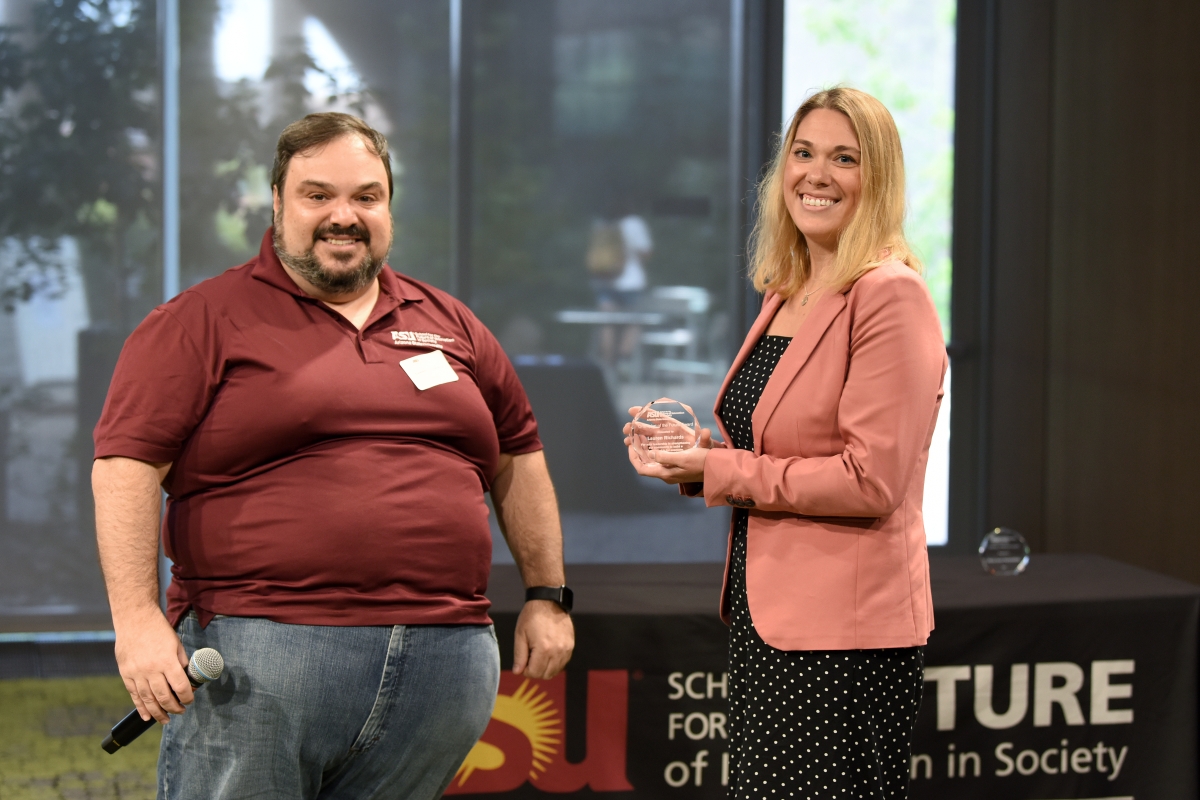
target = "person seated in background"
x: 616, y: 258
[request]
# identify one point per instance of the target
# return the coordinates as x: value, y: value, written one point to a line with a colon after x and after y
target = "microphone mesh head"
x: 206, y: 665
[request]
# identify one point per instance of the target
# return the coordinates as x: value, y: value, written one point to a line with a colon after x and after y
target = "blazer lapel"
x: 770, y: 305
x: 794, y: 358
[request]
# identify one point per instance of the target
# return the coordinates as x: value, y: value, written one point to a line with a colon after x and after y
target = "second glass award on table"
x: 1004, y: 552
x: 664, y: 425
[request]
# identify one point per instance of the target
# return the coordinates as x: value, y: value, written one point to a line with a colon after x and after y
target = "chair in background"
x: 686, y: 310
x: 581, y: 432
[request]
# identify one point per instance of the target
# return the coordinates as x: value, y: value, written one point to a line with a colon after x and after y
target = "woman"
x: 827, y: 415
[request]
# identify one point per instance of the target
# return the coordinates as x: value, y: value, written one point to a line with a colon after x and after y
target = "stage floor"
x: 50, y: 733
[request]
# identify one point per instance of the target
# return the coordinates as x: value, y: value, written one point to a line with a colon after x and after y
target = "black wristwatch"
x: 559, y: 594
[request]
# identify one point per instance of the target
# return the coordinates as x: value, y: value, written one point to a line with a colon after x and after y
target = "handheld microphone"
x: 205, y: 665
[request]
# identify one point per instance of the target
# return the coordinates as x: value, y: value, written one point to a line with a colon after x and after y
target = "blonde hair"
x: 779, y: 258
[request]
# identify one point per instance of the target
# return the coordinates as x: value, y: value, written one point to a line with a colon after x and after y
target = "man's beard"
x: 309, y: 267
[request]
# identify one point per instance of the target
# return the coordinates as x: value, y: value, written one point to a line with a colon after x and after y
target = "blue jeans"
x: 308, y: 711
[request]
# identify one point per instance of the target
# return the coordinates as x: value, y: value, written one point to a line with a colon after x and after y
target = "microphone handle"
x: 131, y: 727
x: 125, y: 731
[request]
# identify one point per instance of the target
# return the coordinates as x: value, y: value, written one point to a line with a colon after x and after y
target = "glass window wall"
x: 564, y: 166
x: 80, y: 210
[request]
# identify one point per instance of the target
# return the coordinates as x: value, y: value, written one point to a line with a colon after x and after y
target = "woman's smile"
x: 813, y: 202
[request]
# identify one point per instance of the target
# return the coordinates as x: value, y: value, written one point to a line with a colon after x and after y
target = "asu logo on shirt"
x: 418, y: 339
x: 525, y: 739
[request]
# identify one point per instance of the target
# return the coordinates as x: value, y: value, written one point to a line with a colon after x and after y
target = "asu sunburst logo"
x: 525, y: 740
x: 529, y: 710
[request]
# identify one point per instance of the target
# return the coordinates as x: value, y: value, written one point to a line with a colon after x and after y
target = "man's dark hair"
x: 315, y: 130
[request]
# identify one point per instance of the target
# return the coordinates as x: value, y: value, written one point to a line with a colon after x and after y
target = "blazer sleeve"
x: 885, y: 415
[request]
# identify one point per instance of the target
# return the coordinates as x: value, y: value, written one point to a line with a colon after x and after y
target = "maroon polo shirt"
x: 312, y: 482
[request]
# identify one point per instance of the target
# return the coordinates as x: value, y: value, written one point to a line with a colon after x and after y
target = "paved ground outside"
x: 50, y: 734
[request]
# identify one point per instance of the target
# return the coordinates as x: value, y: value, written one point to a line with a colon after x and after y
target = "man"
x: 325, y: 430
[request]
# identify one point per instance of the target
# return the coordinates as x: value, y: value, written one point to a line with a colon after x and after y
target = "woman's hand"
x: 684, y: 466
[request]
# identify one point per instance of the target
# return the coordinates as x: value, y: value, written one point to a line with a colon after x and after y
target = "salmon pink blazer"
x: 835, y: 554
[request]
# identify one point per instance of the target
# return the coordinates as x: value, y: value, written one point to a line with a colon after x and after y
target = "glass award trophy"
x: 1004, y: 552
x: 664, y: 425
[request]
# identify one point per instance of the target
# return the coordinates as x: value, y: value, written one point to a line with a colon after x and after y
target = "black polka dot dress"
x: 808, y: 724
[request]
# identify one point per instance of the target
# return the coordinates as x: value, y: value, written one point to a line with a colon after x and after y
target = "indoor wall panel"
x: 1020, y: 256
x: 1121, y: 471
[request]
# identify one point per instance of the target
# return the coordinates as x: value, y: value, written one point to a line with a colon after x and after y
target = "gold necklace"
x: 804, y: 302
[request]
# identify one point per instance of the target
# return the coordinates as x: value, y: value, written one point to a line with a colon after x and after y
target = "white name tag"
x: 429, y: 369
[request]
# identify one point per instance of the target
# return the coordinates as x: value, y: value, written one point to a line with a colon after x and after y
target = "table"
x: 1103, y: 655
x: 687, y: 337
